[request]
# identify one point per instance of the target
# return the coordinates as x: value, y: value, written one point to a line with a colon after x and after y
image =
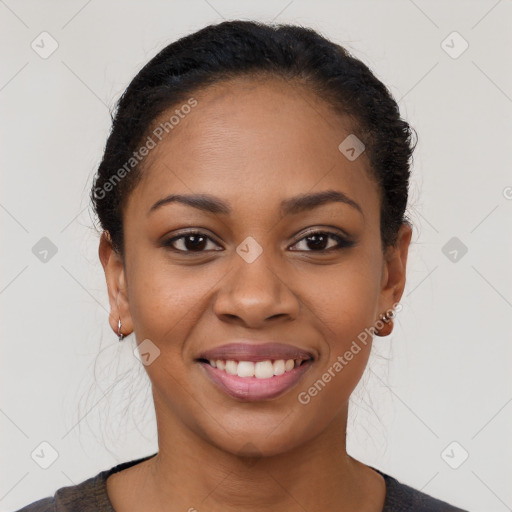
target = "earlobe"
x: 113, y: 267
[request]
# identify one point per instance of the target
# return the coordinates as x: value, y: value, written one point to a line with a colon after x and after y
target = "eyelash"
x: 343, y: 243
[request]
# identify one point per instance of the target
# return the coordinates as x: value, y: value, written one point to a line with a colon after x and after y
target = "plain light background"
x: 443, y: 376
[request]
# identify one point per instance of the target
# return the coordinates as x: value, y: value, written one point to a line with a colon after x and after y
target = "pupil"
x: 322, y: 239
x: 195, y: 245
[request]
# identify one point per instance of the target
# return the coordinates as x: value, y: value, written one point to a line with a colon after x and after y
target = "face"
x: 287, y: 251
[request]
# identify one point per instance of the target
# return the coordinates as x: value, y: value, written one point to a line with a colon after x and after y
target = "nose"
x: 254, y: 293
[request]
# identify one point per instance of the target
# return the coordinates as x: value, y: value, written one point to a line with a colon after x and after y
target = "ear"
x: 394, y: 270
x: 114, y: 269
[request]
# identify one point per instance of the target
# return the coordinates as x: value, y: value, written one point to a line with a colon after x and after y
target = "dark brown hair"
x: 235, y: 48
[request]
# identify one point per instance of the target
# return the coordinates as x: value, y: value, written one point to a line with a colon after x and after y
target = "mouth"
x: 255, y: 372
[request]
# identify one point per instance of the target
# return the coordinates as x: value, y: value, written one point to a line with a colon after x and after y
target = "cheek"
x: 343, y: 304
x: 344, y: 298
x: 166, y: 300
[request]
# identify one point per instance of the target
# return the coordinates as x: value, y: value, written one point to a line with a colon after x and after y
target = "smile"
x: 260, y: 370
x: 255, y: 372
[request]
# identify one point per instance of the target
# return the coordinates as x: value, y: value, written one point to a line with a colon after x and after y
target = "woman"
x: 252, y: 197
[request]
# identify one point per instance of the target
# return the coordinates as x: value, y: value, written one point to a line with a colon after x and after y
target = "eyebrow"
x: 291, y: 206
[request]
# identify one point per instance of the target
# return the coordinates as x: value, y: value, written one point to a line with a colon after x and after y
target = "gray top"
x: 91, y: 496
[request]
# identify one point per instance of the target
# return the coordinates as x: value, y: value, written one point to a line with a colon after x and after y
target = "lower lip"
x: 253, y: 389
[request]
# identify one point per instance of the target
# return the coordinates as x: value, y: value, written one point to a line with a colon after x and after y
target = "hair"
x: 233, y: 49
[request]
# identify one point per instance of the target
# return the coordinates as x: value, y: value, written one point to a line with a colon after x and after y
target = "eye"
x: 192, y: 241
x: 319, y: 240
x: 197, y: 241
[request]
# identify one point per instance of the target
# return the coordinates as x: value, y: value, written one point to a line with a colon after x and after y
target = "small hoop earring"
x: 119, y: 333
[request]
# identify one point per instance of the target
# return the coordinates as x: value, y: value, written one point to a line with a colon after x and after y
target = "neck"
x: 192, y: 474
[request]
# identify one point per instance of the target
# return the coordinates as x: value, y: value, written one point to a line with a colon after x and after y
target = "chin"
x: 265, y: 436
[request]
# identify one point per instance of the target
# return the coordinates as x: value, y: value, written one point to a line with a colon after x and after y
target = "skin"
x: 252, y: 143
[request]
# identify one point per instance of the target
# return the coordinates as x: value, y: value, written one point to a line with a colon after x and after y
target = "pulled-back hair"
x: 244, y: 48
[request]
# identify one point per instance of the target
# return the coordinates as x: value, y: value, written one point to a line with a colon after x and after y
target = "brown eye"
x: 318, y: 241
x: 189, y: 242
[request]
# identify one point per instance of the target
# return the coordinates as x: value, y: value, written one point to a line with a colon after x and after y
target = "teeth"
x: 231, y: 367
x: 279, y: 367
x: 260, y: 370
x: 263, y: 370
x: 245, y: 369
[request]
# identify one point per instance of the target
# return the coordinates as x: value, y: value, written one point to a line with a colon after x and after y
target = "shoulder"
x: 43, y: 505
x: 88, y: 496
x: 401, y: 498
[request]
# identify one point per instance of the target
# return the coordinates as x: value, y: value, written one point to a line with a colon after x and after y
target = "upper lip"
x: 243, y: 351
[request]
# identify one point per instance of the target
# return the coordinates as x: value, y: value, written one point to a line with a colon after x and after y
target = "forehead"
x: 257, y: 140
